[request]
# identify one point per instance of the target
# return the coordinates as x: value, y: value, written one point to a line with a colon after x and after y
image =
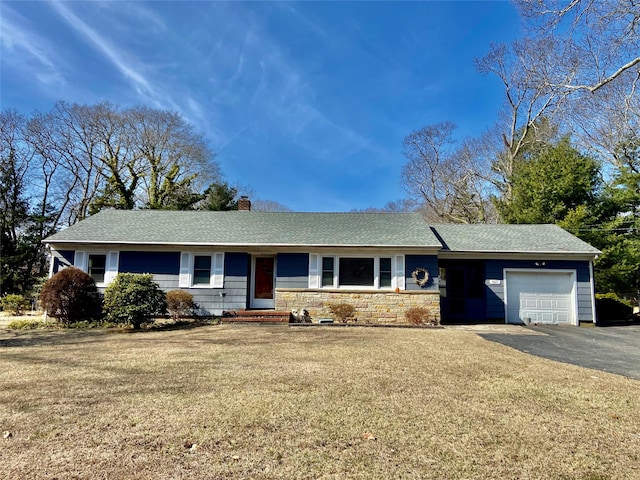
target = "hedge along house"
x: 381, y: 263
x: 257, y: 260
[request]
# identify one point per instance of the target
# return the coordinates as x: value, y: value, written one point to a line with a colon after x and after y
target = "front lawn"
x: 237, y: 401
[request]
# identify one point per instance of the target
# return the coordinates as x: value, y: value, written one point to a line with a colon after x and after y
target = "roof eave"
x: 518, y: 254
x: 241, y: 244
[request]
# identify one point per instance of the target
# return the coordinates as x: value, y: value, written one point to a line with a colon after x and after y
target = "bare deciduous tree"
x: 443, y: 176
x: 603, y: 123
x: 527, y: 72
x: 604, y: 37
x: 100, y: 156
x: 269, y: 206
x: 60, y: 166
x: 173, y: 153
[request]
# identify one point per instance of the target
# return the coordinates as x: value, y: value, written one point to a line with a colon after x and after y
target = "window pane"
x: 327, y: 271
x: 201, y: 270
x: 327, y: 263
x: 356, y: 272
x: 202, y: 262
x: 385, y: 272
x: 97, y: 267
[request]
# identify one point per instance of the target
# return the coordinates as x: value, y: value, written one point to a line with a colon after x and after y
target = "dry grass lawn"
x: 320, y: 403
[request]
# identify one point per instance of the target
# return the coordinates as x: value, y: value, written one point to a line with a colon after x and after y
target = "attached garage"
x: 541, y: 296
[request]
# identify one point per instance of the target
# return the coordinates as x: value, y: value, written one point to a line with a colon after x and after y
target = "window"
x: 201, y: 269
x: 327, y: 271
x: 101, y: 266
x: 356, y: 272
x: 97, y: 267
x: 385, y: 273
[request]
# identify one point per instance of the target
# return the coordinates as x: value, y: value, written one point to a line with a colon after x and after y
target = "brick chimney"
x: 244, y: 203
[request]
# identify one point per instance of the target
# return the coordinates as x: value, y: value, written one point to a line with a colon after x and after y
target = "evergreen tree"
x: 551, y: 184
x: 220, y: 197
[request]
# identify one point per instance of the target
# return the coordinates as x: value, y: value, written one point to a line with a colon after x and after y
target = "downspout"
x: 593, y: 292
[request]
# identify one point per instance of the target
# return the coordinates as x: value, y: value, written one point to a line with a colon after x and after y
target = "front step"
x: 256, y: 316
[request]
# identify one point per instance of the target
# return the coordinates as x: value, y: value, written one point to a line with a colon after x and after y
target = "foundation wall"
x: 371, y: 307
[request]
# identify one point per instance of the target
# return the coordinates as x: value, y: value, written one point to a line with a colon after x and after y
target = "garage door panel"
x: 543, y: 297
x: 545, y: 317
x: 546, y: 304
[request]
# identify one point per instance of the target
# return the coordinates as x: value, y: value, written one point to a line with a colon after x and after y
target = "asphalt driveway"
x: 610, y: 349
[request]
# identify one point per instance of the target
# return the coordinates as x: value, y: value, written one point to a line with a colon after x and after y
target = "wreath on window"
x: 420, y: 276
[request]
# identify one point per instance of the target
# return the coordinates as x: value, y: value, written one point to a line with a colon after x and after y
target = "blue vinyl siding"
x: 236, y: 283
x: 165, y: 267
x: 496, y: 295
x: 293, y: 264
x: 68, y: 255
x: 430, y: 262
x: 236, y: 264
x: 62, y: 258
x: 210, y: 300
x: 292, y: 270
x: 157, y: 263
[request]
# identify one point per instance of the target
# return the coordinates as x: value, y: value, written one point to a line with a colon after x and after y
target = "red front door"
x: 263, y: 270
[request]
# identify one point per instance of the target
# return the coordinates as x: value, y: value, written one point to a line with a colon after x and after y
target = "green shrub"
x: 14, y: 304
x: 25, y: 325
x: 134, y: 299
x: 179, y: 303
x: 70, y: 296
x: 343, y: 312
x: 611, y: 307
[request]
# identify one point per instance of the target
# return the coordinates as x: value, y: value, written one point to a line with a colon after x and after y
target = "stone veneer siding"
x: 384, y: 307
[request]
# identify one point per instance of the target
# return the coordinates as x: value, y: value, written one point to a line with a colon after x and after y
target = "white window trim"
x: 186, y: 270
x: 397, y: 272
x: 81, y: 261
x: 315, y: 270
x: 398, y: 280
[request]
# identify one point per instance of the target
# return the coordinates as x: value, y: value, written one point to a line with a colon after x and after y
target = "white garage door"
x: 543, y: 297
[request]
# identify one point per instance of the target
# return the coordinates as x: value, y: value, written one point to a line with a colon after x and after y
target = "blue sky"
x: 305, y: 103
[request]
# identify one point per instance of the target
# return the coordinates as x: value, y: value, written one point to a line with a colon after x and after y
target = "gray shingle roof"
x: 251, y: 228
x: 510, y: 238
x: 147, y: 227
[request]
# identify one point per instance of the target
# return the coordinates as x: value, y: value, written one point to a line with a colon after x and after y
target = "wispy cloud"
x: 134, y: 11
x: 18, y: 37
x: 275, y: 90
x: 128, y: 67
